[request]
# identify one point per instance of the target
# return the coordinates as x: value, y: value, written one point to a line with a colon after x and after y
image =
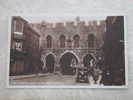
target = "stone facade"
x: 77, y: 38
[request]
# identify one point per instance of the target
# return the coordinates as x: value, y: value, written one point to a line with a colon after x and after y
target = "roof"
x: 19, y: 18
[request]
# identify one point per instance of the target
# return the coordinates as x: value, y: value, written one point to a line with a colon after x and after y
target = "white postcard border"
x: 67, y: 86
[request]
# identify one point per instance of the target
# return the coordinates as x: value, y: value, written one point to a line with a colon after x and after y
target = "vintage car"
x: 82, y: 75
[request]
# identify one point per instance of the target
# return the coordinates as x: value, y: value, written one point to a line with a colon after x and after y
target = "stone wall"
x: 69, y: 30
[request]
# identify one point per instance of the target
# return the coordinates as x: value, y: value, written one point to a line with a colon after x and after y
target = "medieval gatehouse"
x: 70, y: 43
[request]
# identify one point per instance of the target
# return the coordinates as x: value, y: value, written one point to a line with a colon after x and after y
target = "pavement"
x: 46, y: 79
x: 28, y: 76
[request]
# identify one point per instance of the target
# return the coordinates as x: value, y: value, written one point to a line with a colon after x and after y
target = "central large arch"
x: 67, y: 63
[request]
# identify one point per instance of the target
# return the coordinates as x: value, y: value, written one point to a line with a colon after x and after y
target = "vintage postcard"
x: 67, y: 52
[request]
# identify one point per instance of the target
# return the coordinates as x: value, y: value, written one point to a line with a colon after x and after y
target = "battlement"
x: 70, y: 24
x: 94, y: 23
x: 102, y: 22
x: 59, y: 24
x: 81, y: 23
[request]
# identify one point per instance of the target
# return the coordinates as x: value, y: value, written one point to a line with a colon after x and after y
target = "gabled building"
x: 24, y: 54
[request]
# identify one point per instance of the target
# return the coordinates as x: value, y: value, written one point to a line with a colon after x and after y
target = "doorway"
x: 50, y: 63
x: 68, y: 62
x: 88, y: 60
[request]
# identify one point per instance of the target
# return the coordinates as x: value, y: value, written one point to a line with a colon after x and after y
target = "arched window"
x: 76, y: 39
x: 91, y: 39
x: 62, y: 41
x: 49, y: 41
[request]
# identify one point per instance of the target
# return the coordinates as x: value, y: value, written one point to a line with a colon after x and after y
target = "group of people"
x: 89, y: 73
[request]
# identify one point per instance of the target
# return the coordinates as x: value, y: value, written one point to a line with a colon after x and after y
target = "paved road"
x: 48, y: 79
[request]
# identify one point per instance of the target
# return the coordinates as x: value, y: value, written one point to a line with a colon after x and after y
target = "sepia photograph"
x: 68, y: 51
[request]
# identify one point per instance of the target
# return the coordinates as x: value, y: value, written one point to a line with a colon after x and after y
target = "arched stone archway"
x: 68, y: 62
x: 89, y: 60
x: 72, y: 52
x: 50, y: 63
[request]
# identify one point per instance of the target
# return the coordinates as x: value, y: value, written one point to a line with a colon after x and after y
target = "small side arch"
x: 89, y: 59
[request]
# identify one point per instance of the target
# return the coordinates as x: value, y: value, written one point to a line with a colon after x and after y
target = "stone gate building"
x: 69, y: 42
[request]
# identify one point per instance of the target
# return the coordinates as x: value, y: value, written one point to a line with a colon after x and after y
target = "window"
x: 91, y: 39
x: 76, y: 39
x: 18, y: 26
x: 62, y: 41
x: 49, y: 41
x: 18, y: 46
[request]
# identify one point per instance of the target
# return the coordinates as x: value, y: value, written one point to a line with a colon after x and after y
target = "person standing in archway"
x: 90, y: 68
x: 73, y: 63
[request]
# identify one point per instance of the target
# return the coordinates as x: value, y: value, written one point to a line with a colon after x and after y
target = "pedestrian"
x: 97, y: 75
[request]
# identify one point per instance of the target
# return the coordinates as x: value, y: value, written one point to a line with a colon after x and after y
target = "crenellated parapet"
x: 75, y: 24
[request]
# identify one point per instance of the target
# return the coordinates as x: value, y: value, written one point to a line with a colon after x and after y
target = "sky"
x: 61, y: 18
